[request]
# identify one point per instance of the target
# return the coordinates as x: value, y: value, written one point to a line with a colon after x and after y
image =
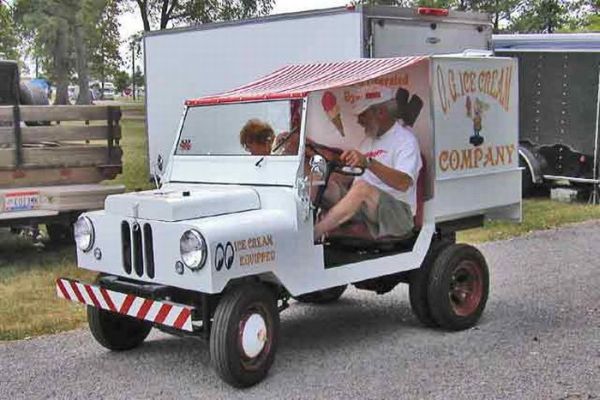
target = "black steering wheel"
x: 331, y: 156
x: 334, y: 165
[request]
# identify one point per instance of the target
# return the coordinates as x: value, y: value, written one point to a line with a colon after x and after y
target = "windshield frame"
x: 289, y: 162
x: 185, y: 116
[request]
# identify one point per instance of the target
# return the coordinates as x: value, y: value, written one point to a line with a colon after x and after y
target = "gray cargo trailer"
x: 191, y: 62
x: 559, y: 106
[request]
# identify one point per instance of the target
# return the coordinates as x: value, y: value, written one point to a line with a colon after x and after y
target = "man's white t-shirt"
x: 398, y: 148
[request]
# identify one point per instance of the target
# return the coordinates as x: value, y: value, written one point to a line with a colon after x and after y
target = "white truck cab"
x: 227, y: 239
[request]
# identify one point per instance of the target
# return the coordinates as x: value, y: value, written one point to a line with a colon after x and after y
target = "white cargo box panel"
x: 193, y: 63
x: 211, y: 58
x: 475, y: 113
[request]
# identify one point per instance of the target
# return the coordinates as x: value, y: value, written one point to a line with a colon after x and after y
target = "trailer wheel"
x: 60, y: 234
x: 458, y: 287
x: 419, y: 284
x: 244, y: 334
x: 322, y: 296
x: 116, y: 332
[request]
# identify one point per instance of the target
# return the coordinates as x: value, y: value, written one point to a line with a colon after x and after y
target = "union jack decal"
x: 185, y: 144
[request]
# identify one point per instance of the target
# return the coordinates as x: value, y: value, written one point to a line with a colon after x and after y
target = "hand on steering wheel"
x: 354, y: 163
x: 346, y: 169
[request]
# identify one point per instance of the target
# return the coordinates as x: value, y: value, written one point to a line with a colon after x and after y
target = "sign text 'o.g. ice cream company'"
x: 471, y: 158
x: 456, y: 84
x: 474, y: 119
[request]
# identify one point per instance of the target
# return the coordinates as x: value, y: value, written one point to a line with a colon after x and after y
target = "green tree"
x: 138, y: 77
x: 163, y: 12
x: 8, y: 34
x: 500, y: 10
x: 104, y: 43
x: 61, y: 32
x: 540, y: 16
x: 121, y: 80
x: 46, y: 24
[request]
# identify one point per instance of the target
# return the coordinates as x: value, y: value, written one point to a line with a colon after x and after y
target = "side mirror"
x: 158, y: 170
x: 318, y: 167
x: 160, y: 164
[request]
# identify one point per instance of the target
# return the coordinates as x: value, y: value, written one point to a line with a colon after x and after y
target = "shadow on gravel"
x: 304, y: 328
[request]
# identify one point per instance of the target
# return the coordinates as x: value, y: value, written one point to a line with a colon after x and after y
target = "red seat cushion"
x: 421, y: 182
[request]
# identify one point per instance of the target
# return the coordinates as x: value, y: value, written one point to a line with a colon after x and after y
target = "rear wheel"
x: 458, y: 287
x: 244, y: 334
x: 323, y: 296
x: 115, y: 331
x: 419, y: 284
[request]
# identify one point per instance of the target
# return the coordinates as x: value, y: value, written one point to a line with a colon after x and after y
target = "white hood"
x: 182, y: 204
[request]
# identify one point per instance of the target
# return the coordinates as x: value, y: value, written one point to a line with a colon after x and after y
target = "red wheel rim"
x: 466, y: 288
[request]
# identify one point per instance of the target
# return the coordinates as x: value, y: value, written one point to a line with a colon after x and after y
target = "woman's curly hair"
x: 256, y: 131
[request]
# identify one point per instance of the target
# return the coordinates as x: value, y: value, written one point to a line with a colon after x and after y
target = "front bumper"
x: 173, y: 315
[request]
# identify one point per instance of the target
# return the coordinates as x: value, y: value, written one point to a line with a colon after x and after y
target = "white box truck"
x: 195, y: 61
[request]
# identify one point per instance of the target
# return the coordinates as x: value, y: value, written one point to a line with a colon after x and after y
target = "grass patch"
x: 28, y: 303
x: 538, y: 214
x: 135, y: 174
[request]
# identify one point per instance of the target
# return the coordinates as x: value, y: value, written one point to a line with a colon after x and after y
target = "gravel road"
x: 538, y: 339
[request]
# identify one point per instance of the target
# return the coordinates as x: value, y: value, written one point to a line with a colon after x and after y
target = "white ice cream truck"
x: 220, y: 248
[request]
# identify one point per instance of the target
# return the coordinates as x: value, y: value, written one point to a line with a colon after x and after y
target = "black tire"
x: 458, y: 287
x: 238, y: 306
x: 419, y: 283
x: 32, y: 95
x: 323, y: 296
x: 25, y: 96
x: 60, y: 234
x: 527, y: 185
x: 116, y: 332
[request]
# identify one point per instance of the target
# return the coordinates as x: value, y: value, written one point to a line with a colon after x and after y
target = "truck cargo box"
x: 210, y: 58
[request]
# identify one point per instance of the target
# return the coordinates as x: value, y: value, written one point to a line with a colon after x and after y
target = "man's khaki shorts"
x: 394, y: 217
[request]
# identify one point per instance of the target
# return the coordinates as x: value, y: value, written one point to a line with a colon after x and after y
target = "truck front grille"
x: 126, y: 246
x: 137, y: 249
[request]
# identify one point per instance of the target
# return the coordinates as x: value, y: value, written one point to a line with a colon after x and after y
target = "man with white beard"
x: 384, y: 197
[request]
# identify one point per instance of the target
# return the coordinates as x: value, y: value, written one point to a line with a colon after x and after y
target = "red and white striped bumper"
x: 175, y: 315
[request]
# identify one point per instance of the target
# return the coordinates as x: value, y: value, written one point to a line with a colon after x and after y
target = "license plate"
x: 21, y: 201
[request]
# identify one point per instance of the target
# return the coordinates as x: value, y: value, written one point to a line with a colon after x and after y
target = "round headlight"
x: 84, y: 233
x: 193, y: 249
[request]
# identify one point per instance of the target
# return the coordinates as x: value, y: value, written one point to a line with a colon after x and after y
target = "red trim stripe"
x: 162, y: 313
x: 127, y: 304
x: 77, y: 292
x: 92, y: 295
x: 145, y: 308
x: 107, y: 299
x: 25, y: 193
x: 182, y: 318
x: 62, y: 289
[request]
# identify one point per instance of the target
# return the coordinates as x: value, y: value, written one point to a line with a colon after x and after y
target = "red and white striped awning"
x: 296, y: 81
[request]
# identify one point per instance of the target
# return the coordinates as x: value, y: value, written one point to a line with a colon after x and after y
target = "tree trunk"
x: 61, y: 67
x: 82, y: 67
x: 143, y: 6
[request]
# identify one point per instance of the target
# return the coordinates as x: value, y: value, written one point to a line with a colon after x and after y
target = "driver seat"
x: 356, y: 234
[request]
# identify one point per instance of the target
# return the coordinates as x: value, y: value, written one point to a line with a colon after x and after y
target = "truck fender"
x: 528, y: 160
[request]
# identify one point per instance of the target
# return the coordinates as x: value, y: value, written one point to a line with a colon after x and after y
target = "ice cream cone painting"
x: 332, y: 109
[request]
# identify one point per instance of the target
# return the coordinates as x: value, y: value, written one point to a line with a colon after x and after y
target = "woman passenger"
x: 257, y: 137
